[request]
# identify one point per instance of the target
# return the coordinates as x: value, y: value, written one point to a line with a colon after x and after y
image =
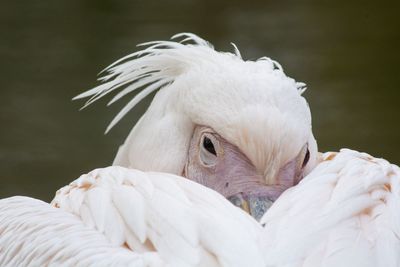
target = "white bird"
x: 239, y: 127
x: 342, y: 214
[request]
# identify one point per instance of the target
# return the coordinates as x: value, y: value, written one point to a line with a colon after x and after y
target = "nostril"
x: 227, y: 184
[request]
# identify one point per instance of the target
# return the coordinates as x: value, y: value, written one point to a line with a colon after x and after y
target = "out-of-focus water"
x: 347, y: 53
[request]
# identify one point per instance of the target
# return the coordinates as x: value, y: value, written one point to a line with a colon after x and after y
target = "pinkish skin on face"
x: 221, y: 166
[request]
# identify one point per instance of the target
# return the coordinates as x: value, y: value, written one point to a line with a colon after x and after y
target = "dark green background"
x: 346, y: 51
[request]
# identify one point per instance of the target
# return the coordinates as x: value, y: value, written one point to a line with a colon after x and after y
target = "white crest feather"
x: 149, y: 69
x: 236, y: 50
x: 154, y: 67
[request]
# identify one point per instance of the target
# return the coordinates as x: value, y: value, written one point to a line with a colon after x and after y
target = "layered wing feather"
x: 345, y: 213
x: 185, y: 223
x: 32, y: 233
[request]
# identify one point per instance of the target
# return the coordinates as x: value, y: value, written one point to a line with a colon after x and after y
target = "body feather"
x: 121, y: 217
x: 344, y: 213
x: 32, y: 233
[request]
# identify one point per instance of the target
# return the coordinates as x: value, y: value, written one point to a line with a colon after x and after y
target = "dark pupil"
x: 209, y: 146
x: 306, y: 158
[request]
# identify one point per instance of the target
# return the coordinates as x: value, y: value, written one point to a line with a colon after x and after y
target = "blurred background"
x: 346, y: 52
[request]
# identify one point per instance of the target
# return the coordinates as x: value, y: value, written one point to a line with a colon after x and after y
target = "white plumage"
x: 32, y: 233
x: 344, y: 213
x: 121, y: 217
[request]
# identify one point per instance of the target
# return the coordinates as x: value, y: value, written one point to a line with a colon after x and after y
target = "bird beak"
x: 257, y: 202
x: 255, y: 205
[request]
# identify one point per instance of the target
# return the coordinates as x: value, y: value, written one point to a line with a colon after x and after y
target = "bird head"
x: 239, y: 127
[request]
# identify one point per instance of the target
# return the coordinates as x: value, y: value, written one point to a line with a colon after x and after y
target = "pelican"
x: 219, y: 129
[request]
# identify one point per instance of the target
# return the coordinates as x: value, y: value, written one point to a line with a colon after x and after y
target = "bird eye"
x: 208, y: 145
x: 306, y: 158
x: 208, y: 150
